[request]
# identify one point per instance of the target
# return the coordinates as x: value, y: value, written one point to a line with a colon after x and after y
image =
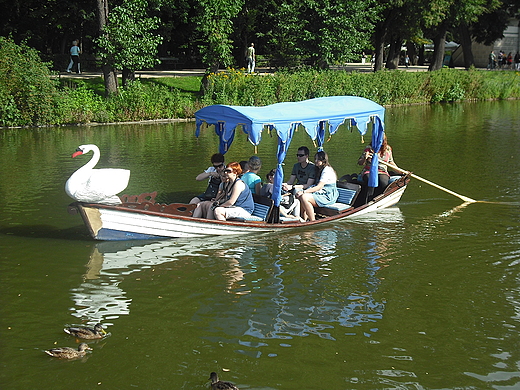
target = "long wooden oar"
x: 464, y: 198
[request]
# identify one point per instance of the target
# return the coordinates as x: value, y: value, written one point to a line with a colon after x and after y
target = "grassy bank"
x: 385, y: 87
x: 179, y: 97
x: 82, y: 101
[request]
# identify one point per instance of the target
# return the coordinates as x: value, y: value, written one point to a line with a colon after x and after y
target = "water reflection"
x: 100, y: 298
x: 298, y: 285
x: 280, y: 286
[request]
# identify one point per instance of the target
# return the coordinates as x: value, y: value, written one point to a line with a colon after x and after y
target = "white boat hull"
x: 119, y: 223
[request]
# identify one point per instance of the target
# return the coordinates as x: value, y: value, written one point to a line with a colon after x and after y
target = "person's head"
x: 270, y: 175
x: 252, y: 45
x: 218, y: 161
x: 254, y: 164
x: 243, y: 165
x: 233, y: 170
x: 74, y: 43
x: 321, y: 159
x: 302, y: 154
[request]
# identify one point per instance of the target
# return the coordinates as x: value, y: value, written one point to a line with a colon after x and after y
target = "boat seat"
x: 346, y: 199
x: 261, y: 212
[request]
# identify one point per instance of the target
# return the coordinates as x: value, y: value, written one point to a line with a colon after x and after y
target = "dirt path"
x: 200, y: 72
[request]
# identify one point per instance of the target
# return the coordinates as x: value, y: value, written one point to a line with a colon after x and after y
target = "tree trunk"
x: 420, y: 59
x: 411, y: 50
x: 392, y: 61
x: 439, y: 41
x: 465, y: 39
x: 109, y: 73
x: 128, y: 75
x: 379, y: 47
x: 205, y: 83
x: 110, y: 78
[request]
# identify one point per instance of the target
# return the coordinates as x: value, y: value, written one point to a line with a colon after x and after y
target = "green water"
x: 421, y: 296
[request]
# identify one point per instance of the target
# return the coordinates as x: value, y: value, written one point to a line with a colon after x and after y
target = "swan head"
x: 82, y: 149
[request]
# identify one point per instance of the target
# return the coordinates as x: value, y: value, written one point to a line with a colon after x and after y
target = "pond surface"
x: 425, y: 295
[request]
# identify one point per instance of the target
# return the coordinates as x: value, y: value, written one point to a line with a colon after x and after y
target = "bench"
x: 262, y: 211
x: 146, y: 202
x: 346, y: 199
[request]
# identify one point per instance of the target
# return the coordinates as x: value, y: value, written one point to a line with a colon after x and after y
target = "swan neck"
x: 94, y: 160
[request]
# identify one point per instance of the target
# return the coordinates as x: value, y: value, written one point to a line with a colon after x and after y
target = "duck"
x: 217, y: 384
x: 69, y: 353
x: 87, y: 333
x: 91, y: 185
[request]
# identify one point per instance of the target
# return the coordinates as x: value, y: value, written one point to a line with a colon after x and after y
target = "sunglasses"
x: 218, y: 166
x: 228, y: 171
x: 300, y: 155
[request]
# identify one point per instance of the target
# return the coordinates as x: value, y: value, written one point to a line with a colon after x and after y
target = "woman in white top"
x: 322, y: 194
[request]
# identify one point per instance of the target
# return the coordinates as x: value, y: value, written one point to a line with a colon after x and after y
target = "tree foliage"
x: 217, y: 32
x: 321, y: 32
x: 129, y: 41
x: 28, y: 96
x: 215, y: 25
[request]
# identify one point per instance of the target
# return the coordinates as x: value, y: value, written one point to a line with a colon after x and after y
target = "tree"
x: 128, y: 41
x: 323, y: 32
x: 109, y: 73
x: 28, y: 95
x: 215, y: 25
x: 389, y: 29
x: 451, y: 14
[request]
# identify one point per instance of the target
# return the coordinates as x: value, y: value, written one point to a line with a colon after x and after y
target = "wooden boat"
x: 140, y: 217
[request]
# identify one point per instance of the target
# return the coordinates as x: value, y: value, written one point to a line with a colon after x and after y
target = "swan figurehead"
x: 96, y: 185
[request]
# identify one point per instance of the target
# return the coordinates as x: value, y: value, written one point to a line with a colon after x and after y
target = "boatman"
x: 303, y: 173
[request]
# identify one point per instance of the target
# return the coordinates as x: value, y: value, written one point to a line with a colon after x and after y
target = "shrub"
x: 27, y: 88
x: 80, y: 104
x: 384, y: 87
x: 138, y: 101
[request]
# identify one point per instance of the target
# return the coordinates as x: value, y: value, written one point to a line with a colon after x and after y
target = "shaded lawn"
x: 188, y: 85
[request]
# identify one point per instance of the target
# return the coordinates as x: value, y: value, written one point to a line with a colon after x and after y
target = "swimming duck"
x: 87, y: 333
x: 69, y: 353
x: 220, y: 385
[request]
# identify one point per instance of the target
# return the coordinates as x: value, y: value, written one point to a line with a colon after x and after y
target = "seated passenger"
x: 213, y: 174
x: 205, y: 208
x: 322, y: 194
x: 289, y: 205
x: 251, y: 178
x: 243, y: 165
x: 385, y: 154
x: 235, y: 200
x: 303, y: 174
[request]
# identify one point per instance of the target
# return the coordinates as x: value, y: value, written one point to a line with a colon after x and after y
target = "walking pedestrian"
x: 251, y: 58
x: 75, y: 51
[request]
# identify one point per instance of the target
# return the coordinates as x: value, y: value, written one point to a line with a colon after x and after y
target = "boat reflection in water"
x: 281, y: 286
x: 100, y: 298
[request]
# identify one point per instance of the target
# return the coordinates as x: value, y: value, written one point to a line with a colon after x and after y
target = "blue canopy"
x: 315, y: 115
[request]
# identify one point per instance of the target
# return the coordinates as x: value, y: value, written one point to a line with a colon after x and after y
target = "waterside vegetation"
x: 30, y: 95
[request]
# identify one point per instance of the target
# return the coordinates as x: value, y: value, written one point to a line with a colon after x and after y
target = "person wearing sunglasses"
x: 303, y: 174
x: 234, y: 199
x: 213, y: 175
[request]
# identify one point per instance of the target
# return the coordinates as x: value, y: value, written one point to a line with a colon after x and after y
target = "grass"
x: 188, y: 86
